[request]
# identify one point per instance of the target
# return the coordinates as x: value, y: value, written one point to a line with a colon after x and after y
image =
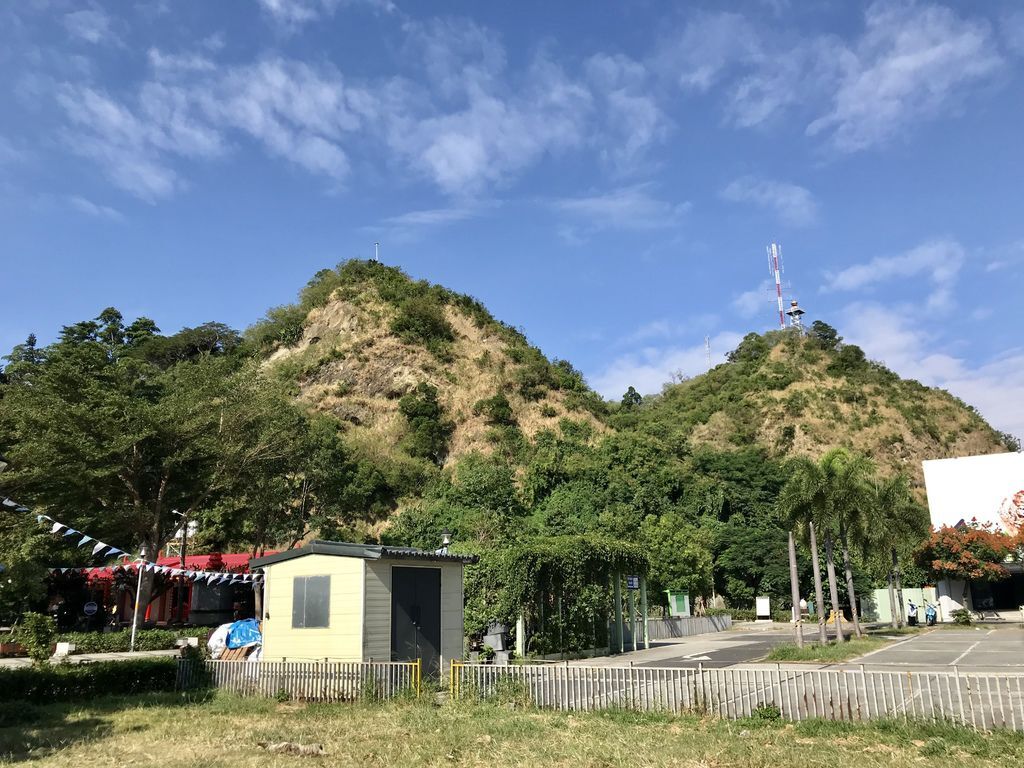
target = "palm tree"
x: 834, y: 495
x: 820, y: 600
x: 802, y: 501
x: 794, y: 585
x: 895, y: 518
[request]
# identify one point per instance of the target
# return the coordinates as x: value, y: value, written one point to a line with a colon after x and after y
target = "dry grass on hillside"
x: 348, y: 363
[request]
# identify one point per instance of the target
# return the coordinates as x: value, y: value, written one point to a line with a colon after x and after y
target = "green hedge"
x: 61, y: 682
x: 145, y: 639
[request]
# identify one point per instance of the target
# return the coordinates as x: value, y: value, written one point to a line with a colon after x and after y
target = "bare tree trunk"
x: 830, y: 569
x: 899, y: 588
x: 794, y: 586
x: 892, y: 601
x: 849, y: 582
x: 818, y: 594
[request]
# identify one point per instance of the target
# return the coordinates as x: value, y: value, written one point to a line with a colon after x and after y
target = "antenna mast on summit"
x: 707, y: 350
x: 775, y: 268
x: 376, y: 251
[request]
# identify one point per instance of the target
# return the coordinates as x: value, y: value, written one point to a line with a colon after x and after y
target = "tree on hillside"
x: 429, y: 432
x: 825, y: 335
x: 631, y: 399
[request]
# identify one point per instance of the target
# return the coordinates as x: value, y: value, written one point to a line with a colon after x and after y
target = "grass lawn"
x: 169, y: 731
x: 833, y: 652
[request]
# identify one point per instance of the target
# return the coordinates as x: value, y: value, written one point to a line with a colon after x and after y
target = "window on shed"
x: 311, y: 601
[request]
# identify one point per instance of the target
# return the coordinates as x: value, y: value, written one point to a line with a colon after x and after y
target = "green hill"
x: 793, y: 394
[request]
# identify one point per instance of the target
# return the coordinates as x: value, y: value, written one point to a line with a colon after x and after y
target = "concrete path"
x: 85, y: 658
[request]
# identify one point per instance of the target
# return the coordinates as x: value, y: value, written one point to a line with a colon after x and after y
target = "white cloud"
x: 94, y: 209
x: 129, y: 145
x: 911, y: 63
x: 753, y: 302
x: 633, y: 120
x: 496, y: 131
x: 650, y: 368
x: 297, y: 12
x: 940, y: 261
x: 630, y: 207
x: 669, y: 329
x: 412, y: 225
x: 91, y: 25
x: 891, y: 335
x: 166, y: 63
x: 794, y: 205
x: 706, y: 48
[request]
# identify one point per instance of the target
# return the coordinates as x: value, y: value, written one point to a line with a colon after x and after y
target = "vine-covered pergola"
x: 563, y: 594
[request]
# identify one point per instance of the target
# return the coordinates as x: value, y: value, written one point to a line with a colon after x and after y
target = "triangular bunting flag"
x: 85, y: 540
x: 57, y: 527
x: 100, y: 546
x: 114, y: 552
x: 71, y: 532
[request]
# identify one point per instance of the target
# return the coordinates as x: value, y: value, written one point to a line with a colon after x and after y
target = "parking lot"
x: 980, y: 649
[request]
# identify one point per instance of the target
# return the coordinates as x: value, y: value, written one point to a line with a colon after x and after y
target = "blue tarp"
x: 243, y: 633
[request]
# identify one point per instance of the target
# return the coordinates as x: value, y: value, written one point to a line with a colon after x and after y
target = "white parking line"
x: 885, y: 648
x: 954, y: 662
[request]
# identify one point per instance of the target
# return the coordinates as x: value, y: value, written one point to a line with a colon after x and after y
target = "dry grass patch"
x: 169, y: 731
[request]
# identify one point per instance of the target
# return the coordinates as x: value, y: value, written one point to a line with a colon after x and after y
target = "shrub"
x: 37, y: 635
x: 118, y: 642
x: 496, y: 410
x: 962, y: 617
x: 421, y: 320
x: 429, y: 432
x: 62, y: 682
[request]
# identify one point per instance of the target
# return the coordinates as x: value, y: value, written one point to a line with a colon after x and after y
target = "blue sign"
x: 90, y: 608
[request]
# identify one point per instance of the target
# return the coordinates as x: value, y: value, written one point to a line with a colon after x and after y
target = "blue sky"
x: 604, y: 175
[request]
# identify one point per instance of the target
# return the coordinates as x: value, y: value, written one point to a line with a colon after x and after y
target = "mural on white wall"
x: 987, y: 489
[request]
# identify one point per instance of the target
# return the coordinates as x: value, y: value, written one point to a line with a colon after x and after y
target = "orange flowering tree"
x: 969, y: 552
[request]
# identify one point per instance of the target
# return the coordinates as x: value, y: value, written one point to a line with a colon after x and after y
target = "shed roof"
x: 364, y: 551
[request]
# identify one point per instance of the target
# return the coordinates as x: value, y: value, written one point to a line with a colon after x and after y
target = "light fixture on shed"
x: 446, y: 539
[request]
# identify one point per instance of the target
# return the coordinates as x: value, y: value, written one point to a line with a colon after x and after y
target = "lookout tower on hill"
x: 795, y: 313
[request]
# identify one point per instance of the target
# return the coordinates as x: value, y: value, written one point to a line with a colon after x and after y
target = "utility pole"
x: 140, y: 566
x: 181, y: 561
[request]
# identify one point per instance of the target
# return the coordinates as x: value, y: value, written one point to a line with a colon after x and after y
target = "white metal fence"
x: 982, y: 702
x: 304, y: 681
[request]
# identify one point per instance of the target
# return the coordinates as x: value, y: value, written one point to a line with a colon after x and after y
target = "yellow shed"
x: 332, y: 600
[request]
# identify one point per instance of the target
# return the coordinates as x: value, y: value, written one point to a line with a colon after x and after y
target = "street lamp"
x: 138, y: 594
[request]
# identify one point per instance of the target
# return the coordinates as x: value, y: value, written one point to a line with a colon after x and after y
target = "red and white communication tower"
x: 775, y: 268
